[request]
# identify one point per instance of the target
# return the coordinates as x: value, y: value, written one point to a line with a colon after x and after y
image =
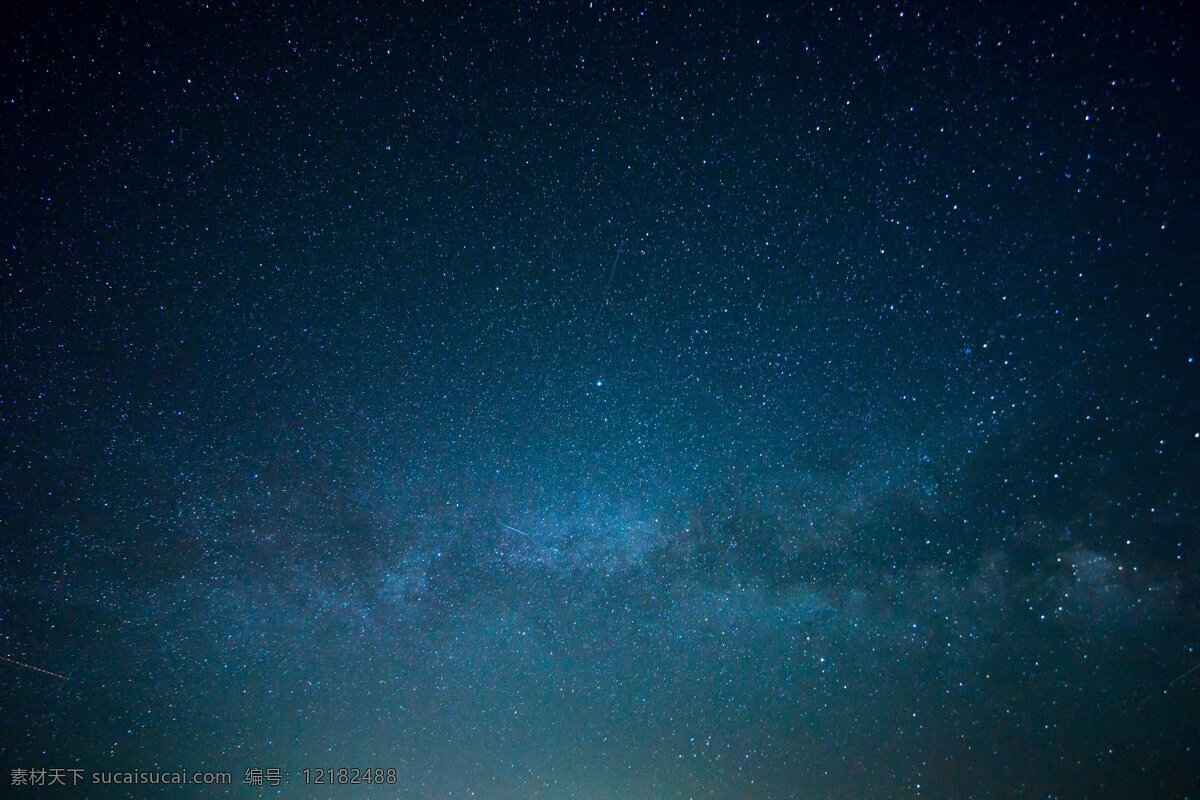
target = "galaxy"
x: 585, y: 400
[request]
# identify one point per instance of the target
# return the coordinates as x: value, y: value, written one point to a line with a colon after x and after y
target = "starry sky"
x: 589, y: 401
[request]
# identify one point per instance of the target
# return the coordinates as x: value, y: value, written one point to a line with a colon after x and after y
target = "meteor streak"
x: 514, y: 530
x: 607, y: 286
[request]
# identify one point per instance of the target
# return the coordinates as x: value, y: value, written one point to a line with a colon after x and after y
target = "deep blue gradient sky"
x: 577, y: 401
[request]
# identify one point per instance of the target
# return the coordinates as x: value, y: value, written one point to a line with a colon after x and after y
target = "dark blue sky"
x: 562, y: 400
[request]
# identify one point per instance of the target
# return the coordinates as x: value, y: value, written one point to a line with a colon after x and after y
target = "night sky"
x: 569, y: 401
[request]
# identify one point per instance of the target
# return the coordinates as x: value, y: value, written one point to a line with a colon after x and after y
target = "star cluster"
x: 572, y: 400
